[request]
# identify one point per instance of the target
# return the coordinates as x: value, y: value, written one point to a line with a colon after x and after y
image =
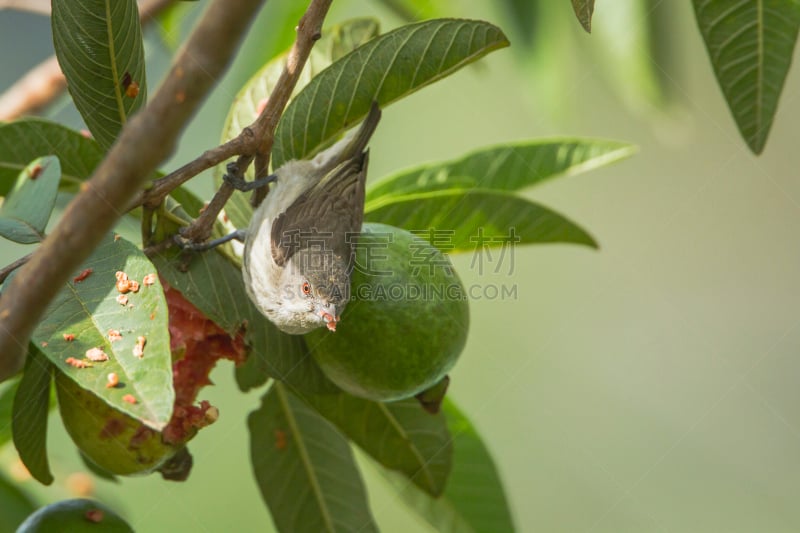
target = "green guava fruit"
x: 75, y: 516
x: 113, y: 440
x: 406, y: 322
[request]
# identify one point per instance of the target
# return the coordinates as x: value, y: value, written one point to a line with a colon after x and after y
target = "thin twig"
x: 160, y: 188
x: 8, y: 269
x: 45, y: 82
x: 146, y: 140
x: 263, y: 129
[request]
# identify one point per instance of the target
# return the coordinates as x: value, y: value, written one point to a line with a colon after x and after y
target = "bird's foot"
x: 233, y: 179
x: 192, y: 246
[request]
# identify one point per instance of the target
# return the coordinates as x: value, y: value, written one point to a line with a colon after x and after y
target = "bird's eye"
x: 306, y: 288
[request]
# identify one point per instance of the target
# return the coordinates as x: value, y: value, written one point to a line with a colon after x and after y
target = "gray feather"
x: 328, y: 215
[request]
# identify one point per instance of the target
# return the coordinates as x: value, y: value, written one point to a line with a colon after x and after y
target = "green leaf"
x: 99, y: 47
x: 25, y: 212
x: 8, y: 389
x: 16, y: 505
x: 416, y: 10
x: 305, y: 468
x: 29, y: 419
x: 347, y: 36
x: 385, y: 69
x: 24, y: 140
x: 399, y: 435
x: 750, y: 43
x: 474, y: 219
x: 508, y: 167
x: 215, y: 286
x: 625, y: 40
x: 474, y: 500
x: 89, y: 309
x: 284, y: 357
x: 583, y: 10
x: 525, y: 15
x: 335, y: 43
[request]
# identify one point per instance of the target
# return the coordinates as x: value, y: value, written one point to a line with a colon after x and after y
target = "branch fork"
x: 144, y: 142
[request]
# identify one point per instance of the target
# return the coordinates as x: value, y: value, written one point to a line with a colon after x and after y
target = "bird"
x: 299, y: 247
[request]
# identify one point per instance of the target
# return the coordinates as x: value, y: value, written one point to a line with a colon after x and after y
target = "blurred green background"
x: 647, y: 386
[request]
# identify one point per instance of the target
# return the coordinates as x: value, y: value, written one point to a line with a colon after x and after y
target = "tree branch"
x: 45, y: 82
x: 37, y: 88
x: 40, y: 7
x: 262, y: 131
x: 145, y: 141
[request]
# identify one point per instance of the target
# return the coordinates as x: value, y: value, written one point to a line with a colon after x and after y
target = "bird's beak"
x: 328, y: 314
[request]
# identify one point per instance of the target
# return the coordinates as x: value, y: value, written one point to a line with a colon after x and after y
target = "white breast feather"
x: 261, y: 274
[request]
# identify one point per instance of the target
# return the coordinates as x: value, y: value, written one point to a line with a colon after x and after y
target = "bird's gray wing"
x: 328, y: 215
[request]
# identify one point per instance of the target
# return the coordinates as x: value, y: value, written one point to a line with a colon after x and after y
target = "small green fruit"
x: 75, y: 516
x: 406, y: 322
x: 114, y: 441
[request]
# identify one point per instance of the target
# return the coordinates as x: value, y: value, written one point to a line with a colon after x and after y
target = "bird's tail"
x: 353, y: 144
x: 359, y: 143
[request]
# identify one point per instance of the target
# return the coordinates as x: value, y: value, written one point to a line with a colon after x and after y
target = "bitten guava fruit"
x: 119, y: 444
x: 113, y: 440
x: 75, y: 516
x: 406, y: 323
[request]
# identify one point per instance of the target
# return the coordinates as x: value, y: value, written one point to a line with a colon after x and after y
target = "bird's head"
x: 315, y: 288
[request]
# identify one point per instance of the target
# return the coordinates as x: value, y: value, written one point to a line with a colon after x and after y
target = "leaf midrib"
x: 613, y: 155
x: 283, y: 144
x: 113, y: 63
x: 387, y: 200
x: 25, y: 224
x: 151, y: 413
x: 759, y: 68
x: 304, y: 456
x: 414, y: 450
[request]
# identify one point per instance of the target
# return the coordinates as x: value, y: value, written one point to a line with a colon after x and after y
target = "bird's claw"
x: 187, y: 244
x: 233, y: 179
